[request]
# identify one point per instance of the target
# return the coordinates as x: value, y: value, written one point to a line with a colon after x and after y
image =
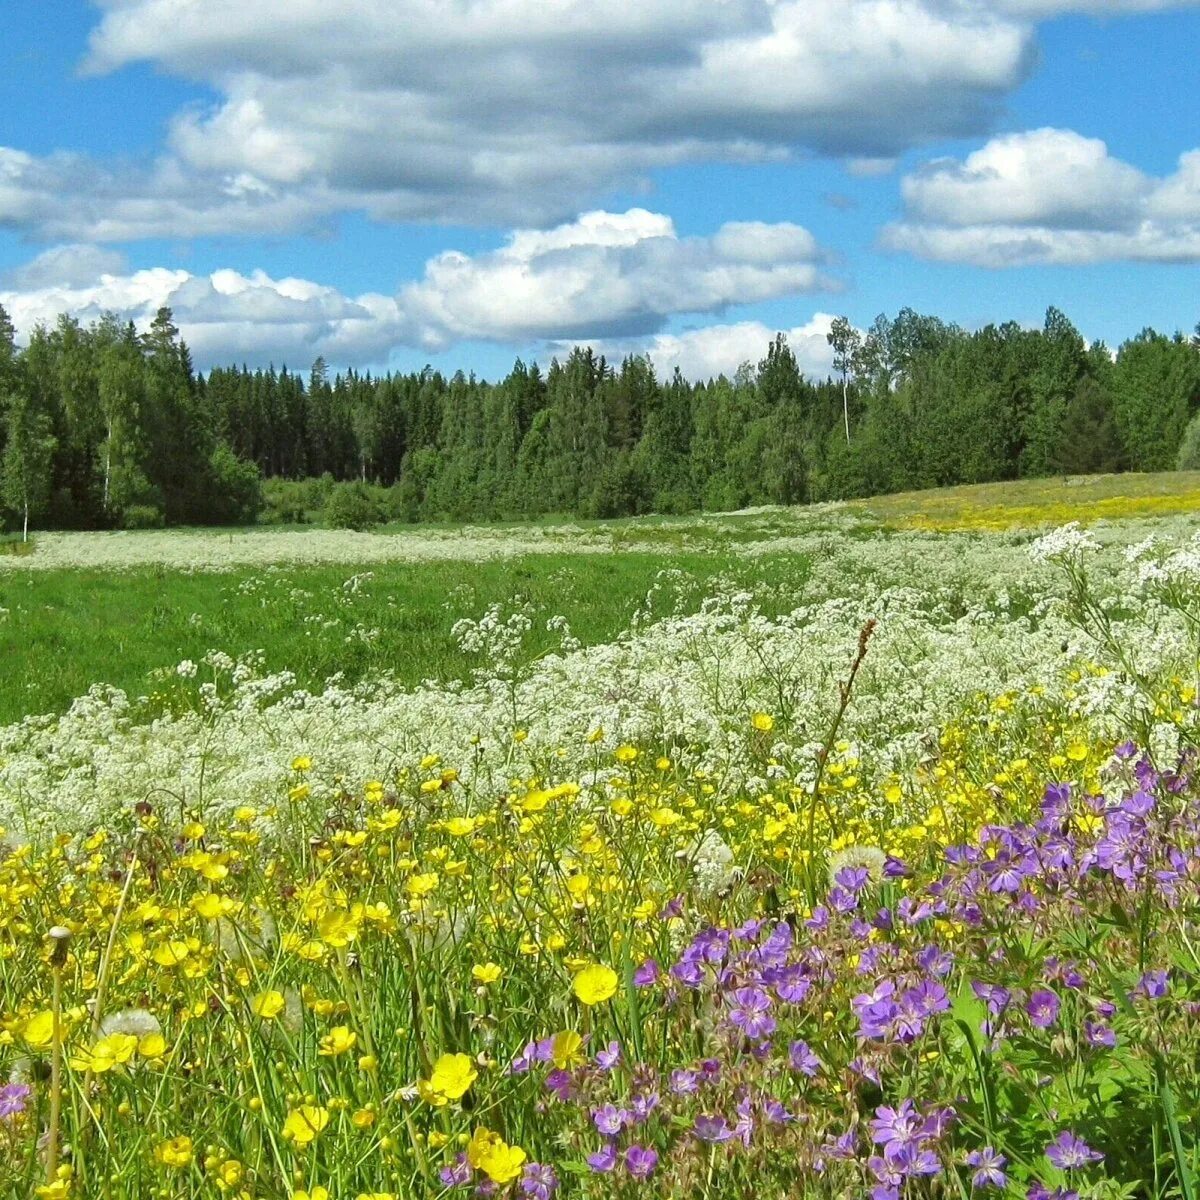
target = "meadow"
x: 840, y: 851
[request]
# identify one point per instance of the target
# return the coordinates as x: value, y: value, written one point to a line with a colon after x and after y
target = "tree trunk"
x: 846, y: 406
x: 25, y: 529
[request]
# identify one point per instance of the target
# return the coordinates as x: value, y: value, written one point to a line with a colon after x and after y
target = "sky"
x: 390, y: 183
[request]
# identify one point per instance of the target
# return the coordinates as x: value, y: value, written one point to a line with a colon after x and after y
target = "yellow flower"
x: 170, y: 954
x: 317, y: 1193
x: 337, y: 1041
x: 267, y: 1005
x: 107, y: 1053
x: 625, y: 754
x: 489, y: 1153
x: 152, y: 1045
x: 39, y: 1030
x: 485, y: 973
x: 595, y: 984
x: 451, y: 1077
x: 302, y: 763
x: 1077, y: 751
x: 304, y: 1123
x: 174, y: 1152
x: 763, y: 722
x: 565, y: 1049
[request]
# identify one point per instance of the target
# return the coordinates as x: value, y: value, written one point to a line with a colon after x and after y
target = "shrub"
x: 143, y: 516
x: 352, y: 506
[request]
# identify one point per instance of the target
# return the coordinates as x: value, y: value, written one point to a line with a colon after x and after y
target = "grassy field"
x: 841, y: 851
x: 121, y: 609
x: 65, y: 630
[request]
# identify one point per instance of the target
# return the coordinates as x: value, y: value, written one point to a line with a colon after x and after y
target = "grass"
x: 67, y: 630
x: 63, y: 630
x: 1029, y: 502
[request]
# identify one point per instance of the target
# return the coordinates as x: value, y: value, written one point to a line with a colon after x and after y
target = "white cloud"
x: 507, y: 112
x: 606, y: 275
x: 603, y: 276
x: 1048, y: 196
x: 720, y: 349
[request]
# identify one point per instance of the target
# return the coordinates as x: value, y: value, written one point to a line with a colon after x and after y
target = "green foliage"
x: 143, y: 516
x: 1189, y: 449
x: 916, y: 402
x: 353, y: 506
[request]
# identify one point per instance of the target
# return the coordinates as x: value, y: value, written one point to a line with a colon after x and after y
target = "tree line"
x: 103, y: 427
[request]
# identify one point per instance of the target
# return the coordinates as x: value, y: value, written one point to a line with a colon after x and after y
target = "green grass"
x: 67, y: 630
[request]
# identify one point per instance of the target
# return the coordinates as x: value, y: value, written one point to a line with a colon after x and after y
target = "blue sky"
x: 389, y: 185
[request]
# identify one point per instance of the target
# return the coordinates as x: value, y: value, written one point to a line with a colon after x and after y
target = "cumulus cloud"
x: 602, y: 276
x: 606, y: 275
x: 507, y: 112
x: 1048, y: 196
x: 713, y: 350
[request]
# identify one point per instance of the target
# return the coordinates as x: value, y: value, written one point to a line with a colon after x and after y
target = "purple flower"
x: 604, y: 1159
x: 647, y: 974
x: 561, y: 1083
x: 1068, y: 1152
x: 712, y: 1129
x: 610, y: 1120
x: 13, y: 1097
x: 1098, y: 1034
x: 898, y: 1130
x: 802, y: 1059
x: 1153, y: 985
x: 684, y: 1083
x: 642, y: 1106
x: 989, y: 1167
x: 608, y: 1058
x: 750, y: 1012
x: 539, y: 1181
x: 1042, y: 1008
x: 458, y: 1174
x: 641, y: 1161
x: 1039, y: 1191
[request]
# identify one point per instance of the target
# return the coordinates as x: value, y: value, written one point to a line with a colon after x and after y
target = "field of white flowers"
x: 962, y: 619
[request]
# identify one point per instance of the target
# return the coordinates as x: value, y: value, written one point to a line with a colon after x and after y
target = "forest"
x: 105, y: 427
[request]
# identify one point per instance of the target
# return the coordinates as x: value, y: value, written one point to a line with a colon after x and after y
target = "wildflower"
x: 989, y: 1168
x: 565, y: 1049
x: 603, y: 1160
x: 750, y: 1012
x: 610, y: 1120
x: 802, y: 1059
x: 608, y: 1058
x: 1042, y: 1008
x: 450, y: 1079
x: 107, y: 1053
x: 763, y: 722
x: 175, y: 1152
x: 640, y: 1161
x: 489, y: 1153
x: 595, y: 984
x: 868, y: 858
x: 1153, y: 985
x: 267, y: 1005
x: 13, y: 1099
x: 38, y: 1031
x: 303, y: 1124
x: 538, y: 1181
x: 338, y: 1040
x: 1067, y: 1152
x: 715, y: 1129
x: 486, y: 973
